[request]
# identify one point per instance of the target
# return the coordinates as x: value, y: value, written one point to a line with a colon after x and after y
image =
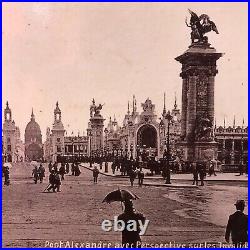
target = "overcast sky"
x: 72, y: 52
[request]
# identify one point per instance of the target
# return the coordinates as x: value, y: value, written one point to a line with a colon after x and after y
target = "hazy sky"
x: 72, y: 52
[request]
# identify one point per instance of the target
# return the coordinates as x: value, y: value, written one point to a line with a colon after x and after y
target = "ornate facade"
x: 12, y: 146
x: 142, y: 132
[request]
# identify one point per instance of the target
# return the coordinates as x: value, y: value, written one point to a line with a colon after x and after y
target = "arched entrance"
x: 147, y: 140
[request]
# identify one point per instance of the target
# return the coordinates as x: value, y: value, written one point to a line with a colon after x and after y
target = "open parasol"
x: 120, y: 195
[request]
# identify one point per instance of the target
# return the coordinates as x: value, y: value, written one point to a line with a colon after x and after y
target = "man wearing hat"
x: 237, y: 225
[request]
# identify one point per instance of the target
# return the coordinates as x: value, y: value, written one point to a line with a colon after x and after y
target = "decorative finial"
x: 164, y: 105
x: 7, y: 104
x: 175, y: 101
x: 32, y: 115
x: 93, y: 101
x: 224, y: 122
x: 215, y: 123
x: 243, y: 122
x: 57, y: 104
x: 128, y: 108
x: 234, y: 122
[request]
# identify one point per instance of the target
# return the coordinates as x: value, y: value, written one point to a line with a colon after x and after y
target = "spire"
x: 175, y: 101
x: 135, y: 106
x: 57, y: 104
x: 128, y: 108
x: 93, y: 101
x: 32, y: 115
x: 7, y: 105
x: 224, y: 122
x: 243, y: 122
x: 164, y: 105
x: 234, y: 122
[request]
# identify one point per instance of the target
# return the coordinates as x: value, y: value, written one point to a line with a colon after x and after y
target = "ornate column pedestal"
x: 198, y: 74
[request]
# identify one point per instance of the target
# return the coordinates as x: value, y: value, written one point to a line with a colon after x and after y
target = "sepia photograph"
x: 124, y: 125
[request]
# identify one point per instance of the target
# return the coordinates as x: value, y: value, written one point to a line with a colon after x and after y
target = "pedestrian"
x: 113, y: 167
x: 237, y: 226
x: 55, y: 167
x: 62, y: 171
x: 57, y: 182
x: 211, y: 169
x: 202, y: 173
x: 140, y: 175
x: 132, y: 176
x: 6, y: 176
x: 195, y: 174
x: 35, y: 174
x: 52, y: 181
x: 77, y: 169
x: 73, y: 168
x: 67, y: 168
x: 50, y: 166
x: 95, y: 174
x: 41, y: 172
x: 131, y: 239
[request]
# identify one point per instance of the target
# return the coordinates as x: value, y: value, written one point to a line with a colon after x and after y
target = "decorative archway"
x: 147, y: 137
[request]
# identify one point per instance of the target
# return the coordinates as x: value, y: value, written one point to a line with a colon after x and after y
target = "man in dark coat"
x: 52, y: 181
x: 195, y: 174
x: 131, y: 239
x: 237, y: 225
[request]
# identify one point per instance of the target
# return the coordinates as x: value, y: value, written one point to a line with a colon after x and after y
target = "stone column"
x: 232, y: 152
x: 191, y: 107
x: 224, y: 148
x: 210, y: 97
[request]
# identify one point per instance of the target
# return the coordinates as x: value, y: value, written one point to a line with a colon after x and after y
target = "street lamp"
x: 90, y: 148
x: 169, y: 118
x: 131, y: 150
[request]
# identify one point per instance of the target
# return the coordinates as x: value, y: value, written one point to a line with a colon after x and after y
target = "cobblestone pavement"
x: 32, y: 218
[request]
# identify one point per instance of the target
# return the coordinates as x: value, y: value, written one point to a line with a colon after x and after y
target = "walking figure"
x: 140, y: 175
x: 195, y: 174
x: 237, y: 226
x: 6, y: 173
x: 35, y: 174
x: 50, y: 166
x: 132, y: 176
x: 62, y: 171
x: 202, y: 173
x: 67, y: 168
x: 95, y: 174
x: 131, y: 239
x: 57, y: 182
x: 41, y: 172
x: 52, y: 181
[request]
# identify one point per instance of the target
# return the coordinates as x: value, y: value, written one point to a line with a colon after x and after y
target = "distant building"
x: 33, y: 140
x: 12, y: 146
x: 58, y: 146
x: 141, y: 133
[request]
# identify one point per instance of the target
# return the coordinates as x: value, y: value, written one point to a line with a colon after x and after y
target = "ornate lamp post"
x: 169, y: 118
x: 126, y: 147
x: 90, y: 148
x: 131, y: 150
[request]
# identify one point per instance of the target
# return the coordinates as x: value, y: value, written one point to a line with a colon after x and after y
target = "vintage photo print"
x: 124, y: 125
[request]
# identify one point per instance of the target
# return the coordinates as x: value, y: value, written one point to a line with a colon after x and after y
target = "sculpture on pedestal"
x: 200, y: 26
x: 198, y: 78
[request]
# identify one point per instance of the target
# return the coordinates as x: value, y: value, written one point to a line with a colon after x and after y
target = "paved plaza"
x: 32, y: 218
